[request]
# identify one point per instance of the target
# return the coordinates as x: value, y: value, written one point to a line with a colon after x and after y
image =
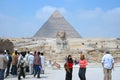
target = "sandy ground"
x: 93, y: 72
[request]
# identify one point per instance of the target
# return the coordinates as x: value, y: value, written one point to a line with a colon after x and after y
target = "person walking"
x: 37, y: 65
x: 14, y: 64
x: 69, y: 68
x: 30, y: 62
x: 3, y: 64
x: 27, y: 54
x: 21, y: 66
x: 9, y: 58
x: 82, y: 67
x: 108, y: 65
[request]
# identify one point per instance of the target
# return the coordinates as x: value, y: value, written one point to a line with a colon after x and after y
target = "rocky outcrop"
x: 6, y: 44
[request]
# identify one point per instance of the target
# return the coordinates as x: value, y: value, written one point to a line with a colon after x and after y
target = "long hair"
x: 66, y: 67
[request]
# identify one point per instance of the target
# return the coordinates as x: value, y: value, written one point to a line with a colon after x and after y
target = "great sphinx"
x: 61, y: 41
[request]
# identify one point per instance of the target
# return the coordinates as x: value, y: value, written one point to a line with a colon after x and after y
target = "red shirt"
x: 70, y: 65
x: 70, y: 62
x: 83, y: 63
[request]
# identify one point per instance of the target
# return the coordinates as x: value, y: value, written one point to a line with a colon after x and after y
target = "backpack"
x: 10, y: 58
x: 21, y: 62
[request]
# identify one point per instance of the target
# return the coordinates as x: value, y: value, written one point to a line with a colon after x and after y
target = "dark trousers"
x: 14, y: 70
x: 21, y: 73
x: 27, y: 69
x: 69, y: 75
x: 81, y: 73
x: 8, y: 68
x: 2, y: 71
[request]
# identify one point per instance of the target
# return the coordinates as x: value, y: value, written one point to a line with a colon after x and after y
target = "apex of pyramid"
x: 56, y: 23
x: 56, y: 14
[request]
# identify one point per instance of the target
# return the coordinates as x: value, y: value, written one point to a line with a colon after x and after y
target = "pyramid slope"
x: 55, y: 24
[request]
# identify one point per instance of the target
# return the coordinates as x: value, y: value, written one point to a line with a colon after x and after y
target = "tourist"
x: 3, y: 64
x: 42, y: 63
x: 69, y: 71
x: 37, y: 65
x: 26, y: 57
x: 9, y: 58
x: 35, y: 52
x: 21, y: 66
x: 30, y: 62
x: 82, y: 67
x: 108, y: 65
x: 14, y: 64
x: 75, y: 62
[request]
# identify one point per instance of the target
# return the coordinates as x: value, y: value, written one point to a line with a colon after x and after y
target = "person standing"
x: 3, y: 64
x: 82, y: 67
x: 69, y: 64
x: 67, y: 71
x: 108, y: 65
x: 42, y: 63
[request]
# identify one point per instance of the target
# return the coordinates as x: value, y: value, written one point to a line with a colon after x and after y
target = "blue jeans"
x: 37, y: 71
x: 81, y: 74
x: 14, y: 70
x: 2, y: 74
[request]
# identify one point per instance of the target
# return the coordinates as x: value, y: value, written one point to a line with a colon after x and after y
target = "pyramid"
x: 54, y: 24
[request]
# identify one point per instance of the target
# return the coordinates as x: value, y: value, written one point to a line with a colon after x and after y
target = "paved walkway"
x: 92, y: 73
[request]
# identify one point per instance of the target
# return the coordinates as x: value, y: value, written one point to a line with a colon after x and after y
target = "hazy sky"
x: 91, y: 18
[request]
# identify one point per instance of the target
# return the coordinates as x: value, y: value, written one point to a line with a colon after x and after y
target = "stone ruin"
x: 6, y: 44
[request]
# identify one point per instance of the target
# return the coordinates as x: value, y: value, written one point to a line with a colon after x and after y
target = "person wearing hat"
x: 3, y: 64
x: 108, y: 65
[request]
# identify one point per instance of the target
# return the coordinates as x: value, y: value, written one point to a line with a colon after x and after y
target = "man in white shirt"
x: 30, y: 62
x: 108, y: 65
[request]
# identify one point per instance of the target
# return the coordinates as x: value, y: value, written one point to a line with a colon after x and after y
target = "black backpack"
x: 10, y: 58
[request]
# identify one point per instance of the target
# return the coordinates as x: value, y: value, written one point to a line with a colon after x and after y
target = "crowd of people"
x: 18, y: 63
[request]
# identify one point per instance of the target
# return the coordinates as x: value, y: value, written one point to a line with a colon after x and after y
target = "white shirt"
x: 108, y: 61
x: 43, y: 62
x: 30, y: 59
x: 26, y: 56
